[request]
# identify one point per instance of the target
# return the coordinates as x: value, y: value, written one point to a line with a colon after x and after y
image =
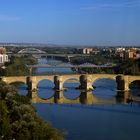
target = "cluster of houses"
x: 124, y: 53
x: 128, y: 53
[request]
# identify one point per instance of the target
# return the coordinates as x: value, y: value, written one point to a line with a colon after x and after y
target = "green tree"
x: 18, y: 118
x: 5, y: 128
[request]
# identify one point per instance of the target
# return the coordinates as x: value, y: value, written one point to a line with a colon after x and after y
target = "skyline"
x: 73, y: 22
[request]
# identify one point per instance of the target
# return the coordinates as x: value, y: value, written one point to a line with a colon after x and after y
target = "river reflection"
x: 101, y: 95
x: 84, y: 98
x: 85, y: 115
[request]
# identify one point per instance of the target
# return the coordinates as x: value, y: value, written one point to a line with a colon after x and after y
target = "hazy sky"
x: 71, y: 22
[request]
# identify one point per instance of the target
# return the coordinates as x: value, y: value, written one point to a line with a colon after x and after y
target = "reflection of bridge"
x: 86, y: 81
x: 84, y: 98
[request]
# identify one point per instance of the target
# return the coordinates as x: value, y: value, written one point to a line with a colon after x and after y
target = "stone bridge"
x: 86, y: 81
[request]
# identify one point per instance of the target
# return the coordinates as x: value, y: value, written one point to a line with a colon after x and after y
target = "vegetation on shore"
x: 17, y: 66
x: 127, y: 67
x: 18, y: 119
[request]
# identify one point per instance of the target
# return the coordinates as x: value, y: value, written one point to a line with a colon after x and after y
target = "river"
x: 107, y: 118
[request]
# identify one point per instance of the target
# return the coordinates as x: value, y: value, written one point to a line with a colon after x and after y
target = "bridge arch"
x: 30, y: 50
x: 14, y: 79
x: 17, y: 82
x: 70, y: 88
x: 70, y: 77
x: 134, y: 87
x: 105, y: 88
x: 71, y: 80
x: 21, y: 87
x: 45, y: 89
x: 95, y: 78
x: 45, y: 83
x: 37, y: 79
x: 134, y: 81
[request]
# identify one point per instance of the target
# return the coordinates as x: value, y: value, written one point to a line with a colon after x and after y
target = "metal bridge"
x: 37, y: 53
x: 31, y: 51
x: 45, y: 54
x: 69, y: 65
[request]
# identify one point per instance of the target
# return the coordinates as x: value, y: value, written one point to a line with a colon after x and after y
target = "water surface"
x: 105, y: 118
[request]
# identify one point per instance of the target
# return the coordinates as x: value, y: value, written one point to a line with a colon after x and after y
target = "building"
x: 120, y: 50
x: 89, y: 51
x: 2, y: 50
x: 3, y: 56
x: 131, y: 54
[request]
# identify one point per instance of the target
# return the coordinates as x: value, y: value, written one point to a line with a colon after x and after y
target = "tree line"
x: 17, y: 66
x: 127, y: 67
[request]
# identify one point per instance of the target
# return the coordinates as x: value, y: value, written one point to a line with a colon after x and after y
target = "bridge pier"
x: 58, y: 84
x: 85, y: 82
x: 29, y: 83
x: 31, y: 87
x: 122, y: 83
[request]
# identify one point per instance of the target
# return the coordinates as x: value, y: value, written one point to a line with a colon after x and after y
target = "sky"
x: 71, y: 22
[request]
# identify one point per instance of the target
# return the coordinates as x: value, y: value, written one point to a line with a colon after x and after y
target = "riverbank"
x: 19, y: 120
x: 17, y: 66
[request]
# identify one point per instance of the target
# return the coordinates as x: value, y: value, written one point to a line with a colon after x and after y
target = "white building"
x: 3, y: 58
x: 120, y: 49
x: 87, y: 50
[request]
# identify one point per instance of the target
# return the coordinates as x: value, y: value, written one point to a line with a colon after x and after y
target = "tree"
x: 18, y: 119
x: 5, y: 128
